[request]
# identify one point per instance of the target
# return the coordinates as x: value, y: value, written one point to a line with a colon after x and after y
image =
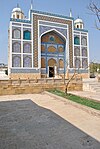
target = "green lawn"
x: 80, y: 100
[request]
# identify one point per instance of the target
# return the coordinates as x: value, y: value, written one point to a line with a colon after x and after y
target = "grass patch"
x: 80, y: 100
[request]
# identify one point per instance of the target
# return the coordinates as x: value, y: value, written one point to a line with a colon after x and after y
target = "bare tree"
x: 72, y: 77
x: 67, y: 84
x: 94, y: 8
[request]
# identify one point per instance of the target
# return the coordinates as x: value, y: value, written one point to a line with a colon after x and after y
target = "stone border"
x: 82, y: 107
x: 88, y: 98
x: 36, y: 18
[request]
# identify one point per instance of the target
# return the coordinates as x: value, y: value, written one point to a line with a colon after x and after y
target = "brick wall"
x: 12, y: 87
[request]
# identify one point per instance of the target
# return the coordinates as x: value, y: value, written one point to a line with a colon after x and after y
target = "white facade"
x: 22, y: 43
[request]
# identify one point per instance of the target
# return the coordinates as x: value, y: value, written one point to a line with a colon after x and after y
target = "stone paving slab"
x: 89, y: 95
x: 87, y: 109
x: 40, y: 121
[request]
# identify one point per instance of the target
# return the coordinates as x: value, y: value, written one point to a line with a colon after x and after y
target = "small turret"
x: 17, y: 13
x: 78, y: 23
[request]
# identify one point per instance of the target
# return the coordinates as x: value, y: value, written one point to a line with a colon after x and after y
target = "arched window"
x: 16, y: 47
x: 43, y: 64
x: 77, y: 63
x: 14, y: 16
x: 27, y: 48
x: 42, y: 48
x: 84, y: 41
x: 61, y: 49
x: 61, y: 63
x: 76, y: 40
x: 18, y: 16
x: 84, y: 63
x: 16, y: 61
x: 16, y: 34
x: 27, y: 61
x: 27, y: 35
x: 51, y: 49
x: 77, y: 26
x: 51, y: 62
x: 84, y: 52
x: 81, y: 26
x: 77, y: 51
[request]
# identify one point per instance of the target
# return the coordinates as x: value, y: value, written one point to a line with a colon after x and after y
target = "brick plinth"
x: 24, y: 75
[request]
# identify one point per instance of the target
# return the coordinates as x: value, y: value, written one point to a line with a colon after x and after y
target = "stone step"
x: 95, y: 84
x: 95, y: 89
x: 91, y: 86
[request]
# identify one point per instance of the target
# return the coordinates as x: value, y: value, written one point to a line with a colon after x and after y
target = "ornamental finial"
x: 70, y: 13
x: 17, y: 5
x: 31, y: 4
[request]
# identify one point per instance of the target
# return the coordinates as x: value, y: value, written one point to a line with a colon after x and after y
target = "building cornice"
x: 51, y: 14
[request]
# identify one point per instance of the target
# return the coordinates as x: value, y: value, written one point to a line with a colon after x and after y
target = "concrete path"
x: 89, y: 95
x: 40, y: 121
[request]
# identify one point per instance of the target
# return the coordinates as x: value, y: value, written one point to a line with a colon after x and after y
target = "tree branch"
x: 96, y: 11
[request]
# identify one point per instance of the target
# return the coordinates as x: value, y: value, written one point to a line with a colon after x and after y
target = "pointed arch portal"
x: 53, y: 46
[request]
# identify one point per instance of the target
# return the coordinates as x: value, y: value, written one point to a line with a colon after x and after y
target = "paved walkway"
x: 41, y: 121
x: 89, y: 95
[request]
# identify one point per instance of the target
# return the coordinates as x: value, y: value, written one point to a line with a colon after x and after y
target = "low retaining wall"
x: 12, y: 87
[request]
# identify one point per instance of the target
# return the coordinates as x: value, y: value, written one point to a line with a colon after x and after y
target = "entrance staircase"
x: 91, y: 85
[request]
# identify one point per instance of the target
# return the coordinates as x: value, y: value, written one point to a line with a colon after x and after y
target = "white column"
x: 22, y: 45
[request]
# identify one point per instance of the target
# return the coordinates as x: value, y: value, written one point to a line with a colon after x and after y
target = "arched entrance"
x: 52, y: 54
x: 51, y: 67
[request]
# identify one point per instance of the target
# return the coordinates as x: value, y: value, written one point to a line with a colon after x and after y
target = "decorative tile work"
x: 43, y: 48
x: 76, y: 40
x: 76, y: 51
x: 52, y: 62
x: 16, y: 47
x: 26, y: 25
x: 19, y: 20
x: 43, y: 71
x: 27, y: 35
x: 16, y: 24
x: 84, y: 52
x: 27, y: 48
x: 80, y: 70
x: 27, y: 61
x: 61, y: 63
x: 53, y: 37
x: 25, y: 71
x: 43, y: 63
x: 16, y: 60
x: 43, y: 29
x: 53, y: 45
x: 84, y: 41
x: 52, y: 24
x: 16, y: 33
x: 51, y: 14
x: 84, y: 63
x: 53, y: 50
x: 35, y: 35
x: 77, y: 62
x: 78, y: 29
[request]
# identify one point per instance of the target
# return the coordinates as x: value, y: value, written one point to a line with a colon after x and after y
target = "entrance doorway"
x: 51, y: 72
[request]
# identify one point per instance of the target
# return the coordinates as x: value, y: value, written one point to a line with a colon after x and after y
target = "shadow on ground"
x: 25, y: 125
